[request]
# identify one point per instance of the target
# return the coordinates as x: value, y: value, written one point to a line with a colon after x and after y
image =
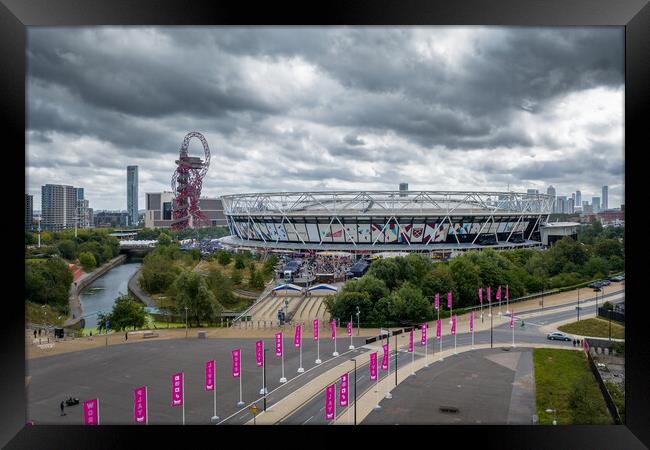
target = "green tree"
x: 596, y: 265
x: 466, y: 280
x: 386, y: 270
x: 67, y: 249
x: 164, y: 239
x: 158, y: 273
x: 236, y: 277
x: 256, y: 281
x: 223, y: 257
x: 344, y: 305
x: 127, y: 312
x: 191, y: 290
x: 88, y: 261
x: 107, y: 252
x: 239, y: 261
x: 221, y: 287
x: 269, y: 265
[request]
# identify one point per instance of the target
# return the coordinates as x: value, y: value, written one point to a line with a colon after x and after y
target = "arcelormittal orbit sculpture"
x: 186, y: 185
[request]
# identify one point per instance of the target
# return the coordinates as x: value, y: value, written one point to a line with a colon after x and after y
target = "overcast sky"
x: 312, y: 108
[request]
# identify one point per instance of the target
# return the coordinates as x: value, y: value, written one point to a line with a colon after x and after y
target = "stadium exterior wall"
x: 386, y: 220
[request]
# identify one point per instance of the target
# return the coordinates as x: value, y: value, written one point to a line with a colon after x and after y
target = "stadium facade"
x: 378, y: 221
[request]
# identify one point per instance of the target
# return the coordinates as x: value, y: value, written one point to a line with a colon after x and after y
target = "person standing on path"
x: 34, y: 334
x: 62, y: 407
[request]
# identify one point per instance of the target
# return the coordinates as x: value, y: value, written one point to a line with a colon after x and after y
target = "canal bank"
x: 75, y: 319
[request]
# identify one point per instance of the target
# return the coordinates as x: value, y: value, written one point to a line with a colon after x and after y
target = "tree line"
x: 401, y: 290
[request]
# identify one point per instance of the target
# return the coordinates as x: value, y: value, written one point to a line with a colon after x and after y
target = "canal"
x: 101, y: 294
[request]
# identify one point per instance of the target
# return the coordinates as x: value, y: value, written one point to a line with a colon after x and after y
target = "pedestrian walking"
x: 34, y: 334
x: 39, y: 332
x: 62, y: 409
x: 126, y: 336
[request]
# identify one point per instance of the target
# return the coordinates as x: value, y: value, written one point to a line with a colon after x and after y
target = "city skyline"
x: 319, y: 109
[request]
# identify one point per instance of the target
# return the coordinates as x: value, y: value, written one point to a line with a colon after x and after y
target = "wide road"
x: 313, y: 413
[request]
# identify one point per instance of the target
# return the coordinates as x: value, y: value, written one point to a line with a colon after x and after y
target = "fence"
x: 615, y: 315
x: 611, y: 406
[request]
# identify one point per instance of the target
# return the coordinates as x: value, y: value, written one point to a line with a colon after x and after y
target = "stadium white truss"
x: 378, y: 220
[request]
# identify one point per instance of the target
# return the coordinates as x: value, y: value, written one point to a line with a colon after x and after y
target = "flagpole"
x: 318, y: 361
x: 215, y: 401
x: 335, y: 352
x: 507, y: 300
x: 183, y: 398
x: 351, y: 347
x: 388, y: 395
x: 283, y: 379
x: 413, y: 355
x: 241, y: 402
x: 441, y: 357
x: 301, y: 369
x: 426, y: 346
x: 472, y: 330
x: 455, y: 353
x: 512, y: 319
x: 146, y: 409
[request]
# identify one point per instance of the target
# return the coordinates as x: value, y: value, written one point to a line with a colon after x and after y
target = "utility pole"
x: 264, y: 375
x: 355, y: 391
x: 491, y: 331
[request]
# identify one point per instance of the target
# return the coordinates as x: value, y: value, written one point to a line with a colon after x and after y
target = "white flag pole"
x: 455, y: 353
x: 441, y: 357
x: 241, y: 402
x: 507, y: 301
x: 413, y: 355
x: 183, y: 398
x: 98, y: 411
x: 146, y: 409
x: 283, y: 379
x: 388, y: 394
x: 426, y: 346
x: 318, y: 361
x: 301, y: 369
x: 335, y: 352
x: 513, y: 328
x: 473, y: 326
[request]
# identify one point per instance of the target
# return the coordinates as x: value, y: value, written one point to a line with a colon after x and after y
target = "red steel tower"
x: 186, y: 185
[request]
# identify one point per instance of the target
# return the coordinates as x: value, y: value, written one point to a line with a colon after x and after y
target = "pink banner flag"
x: 411, y: 341
x: 384, y: 358
x: 278, y: 344
x: 471, y: 321
x: 507, y: 296
x: 449, y: 299
x: 333, y: 327
x: 437, y: 304
x: 297, y: 337
x: 438, y: 329
x: 480, y: 295
x: 209, y: 375
x: 488, y: 294
x: 343, y: 390
x: 585, y: 345
x: 140, y: 404
x: 512, y: 319
x: 316, y: 329
x: 499, y: 293
x: 453, y: 325
x: 423, y: 336
x: 373, y: 366
x: 349, y: 329
x: 177, y: 389
x: 236, y: 363
x: 329, y: 402
x: 91, y: 412
x: 259, y: 353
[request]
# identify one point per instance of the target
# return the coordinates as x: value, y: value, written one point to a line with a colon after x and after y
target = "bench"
x: 149, y: 334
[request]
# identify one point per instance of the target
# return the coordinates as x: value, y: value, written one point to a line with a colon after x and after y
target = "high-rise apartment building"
x: 58, y: 207
x: 595, y: 204
x: 578, y: 199
x: 403, y: 188
x: 80, y: 193
x: 551, y: 191
x: 561, y: 203
x: 605, y: 203
x: 571, y: 205
x: 29, y: 211
x: 159, y: 210
x: 132, y: 194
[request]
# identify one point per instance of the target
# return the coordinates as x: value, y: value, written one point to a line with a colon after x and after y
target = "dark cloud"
x: 286, y: 108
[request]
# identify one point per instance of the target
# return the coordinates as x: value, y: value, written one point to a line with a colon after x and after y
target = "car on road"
x: 605, y: 282
x: 594, y: 284
x: 617, y: 278
x: 557, y: 336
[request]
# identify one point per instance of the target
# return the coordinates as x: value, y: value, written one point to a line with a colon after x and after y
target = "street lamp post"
x: 355, y: 391
x: 395, y: 359
x: 264, y: 380
x: 610, y: 325
x: 358, y: 322
x: 491, y: 330
x: 186, y: 322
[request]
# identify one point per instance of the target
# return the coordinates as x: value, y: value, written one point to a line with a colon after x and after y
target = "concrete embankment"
x: 137, y: 292
x: 75, y: 320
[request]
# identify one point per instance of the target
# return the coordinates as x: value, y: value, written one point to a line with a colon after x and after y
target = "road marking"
x: 308, y: 420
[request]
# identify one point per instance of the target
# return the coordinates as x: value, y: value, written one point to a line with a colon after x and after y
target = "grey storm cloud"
x: 289, y: 108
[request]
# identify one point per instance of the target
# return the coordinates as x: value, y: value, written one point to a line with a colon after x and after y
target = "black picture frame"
x: 16, y: 15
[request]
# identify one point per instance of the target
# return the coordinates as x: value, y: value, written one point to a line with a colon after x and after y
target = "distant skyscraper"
x: 132, y: 194
x: 80, y: 193
x: 58, y: 207
x: 533, y: 192
x: 403, y: 188
x: 605, y: 204
x: 561, y: 204
x: 551, y: 191
x: 595, y: 203
x: 570, y: 206
x: 29, y: 211
x: 578, y: 199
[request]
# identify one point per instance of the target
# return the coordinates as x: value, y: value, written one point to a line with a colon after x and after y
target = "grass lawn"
x: 41, y: 314
x: 618, y: 396
x: 564, y: 382
x: 595, y: 327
